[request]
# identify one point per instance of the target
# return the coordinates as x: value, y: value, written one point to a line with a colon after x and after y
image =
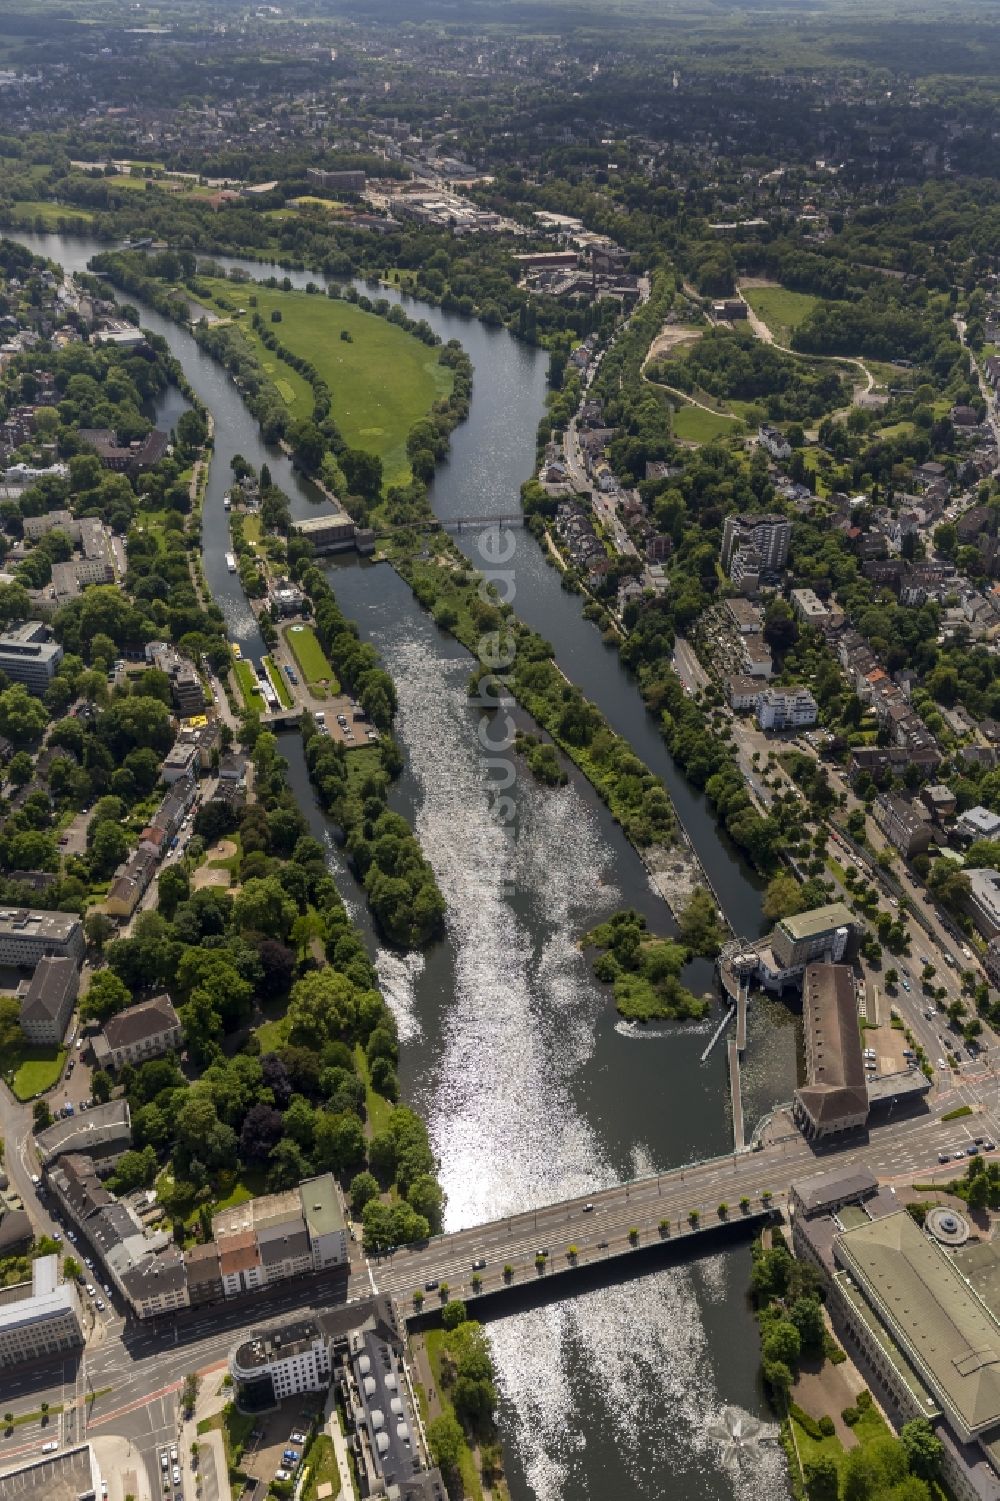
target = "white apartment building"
x: 26, y: 936
x: 40, y: 1318
x: 786, y: 709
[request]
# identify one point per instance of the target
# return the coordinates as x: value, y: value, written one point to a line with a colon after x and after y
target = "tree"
x: 924, y: 1450
x: 100, y: 1086
x: 98, y: 928
x: 447, y: 1442
x: 41, y: 1116
x: 108, y: 849
x: 288, y: 1166
x: 364, y: 1188
x: 869, y: 1472
x: 822, y: 1478
x: 453, y: 1314
x: 263, y: 906
x: 807, y: 1316
x: 105, y: 997
x: 782, y: 1343
x: 72, y: 1270
x: 363, y: 473
x: 262, y: 1130
x: 22, y: 717
x: 173, y: 887
x: 699, y: 924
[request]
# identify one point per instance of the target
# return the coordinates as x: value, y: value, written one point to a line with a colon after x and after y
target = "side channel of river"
x: 531, y: 1086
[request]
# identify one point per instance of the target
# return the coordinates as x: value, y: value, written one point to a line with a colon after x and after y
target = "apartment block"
x: 41, y: 1318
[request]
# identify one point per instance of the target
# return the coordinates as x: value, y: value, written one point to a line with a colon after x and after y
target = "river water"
x: 532, y: 1087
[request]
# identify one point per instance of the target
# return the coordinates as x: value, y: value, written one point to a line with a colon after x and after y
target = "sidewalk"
x: 332, y: 1422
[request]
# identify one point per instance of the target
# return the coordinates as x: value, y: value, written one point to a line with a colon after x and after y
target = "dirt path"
x: 765, y: 335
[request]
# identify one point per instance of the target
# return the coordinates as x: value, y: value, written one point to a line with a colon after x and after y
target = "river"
x: 531, y: 1085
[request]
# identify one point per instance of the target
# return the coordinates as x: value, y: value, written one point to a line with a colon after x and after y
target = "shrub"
x: 826, y: 1426
x: 864, y: 1400
x: 806, y: 1421
x: 850, y: 1416
x: 633, y: 1235
x: 664, y: 1227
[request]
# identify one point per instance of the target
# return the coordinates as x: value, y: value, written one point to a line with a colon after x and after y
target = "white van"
x: 50, y: 1447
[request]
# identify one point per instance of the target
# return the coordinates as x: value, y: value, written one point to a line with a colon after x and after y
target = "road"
x: 992, y: 410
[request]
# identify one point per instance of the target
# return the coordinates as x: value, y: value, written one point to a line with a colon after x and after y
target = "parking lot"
x: 262, y: 1457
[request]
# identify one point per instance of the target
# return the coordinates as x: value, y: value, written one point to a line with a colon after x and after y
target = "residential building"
x: 36, y: 527
x: 49, y: 1001
x: 15, y: 1226
x: 144, y: 1031
x: 40, y: 1319
x: 27, y: 936
x: 332, y: 532
x: 774, y: 442
x: 770, y: 535
x: 360, y: 1346
x: 240, y: 1265
x: 103, y: 1131
x: 747, y: 618
x: 156, y: 1283
x: 287, y: 598
x: 180, y: 762
x: 984, y: 900
x: 30, y: 654
x: 275, y: 1236
x: 903, y: 823
x: 834, y: 1097
x: 285, y: 1249
x: 131, y: 882
x: 146, y: 1267
x: 978, y: 823
x: 743, y: 692
x: 786, y: 709
x: 325, y: 1221
x: 809, y: 607
x: 125, y: 458
x: 745, y: 569
x: 203, y: 1276
x: 344, y: 181
x: 291, y: 1359
x: 939, y: 800
x: 757, y: 662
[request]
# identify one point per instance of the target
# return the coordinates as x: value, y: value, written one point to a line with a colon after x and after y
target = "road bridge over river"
x: 608, y: 1227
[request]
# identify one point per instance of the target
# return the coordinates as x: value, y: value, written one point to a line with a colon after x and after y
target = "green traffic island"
x: 644, y: 971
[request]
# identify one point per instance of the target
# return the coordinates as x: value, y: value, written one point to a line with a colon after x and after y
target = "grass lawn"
x: 247, y: 679
x: 34, y: 1067
x: 50, y: 213
x: 310, y: 656
x: 378, y: 1109
x: 383, y: 381
x: 322, y: 1466
x: 278, y: 683
x: 695, y: 425
x: 272, y: 1034
x: 780, y: 309
x: 246, y: 1185
x: 471, y: 1484
x: 235, y: 1427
